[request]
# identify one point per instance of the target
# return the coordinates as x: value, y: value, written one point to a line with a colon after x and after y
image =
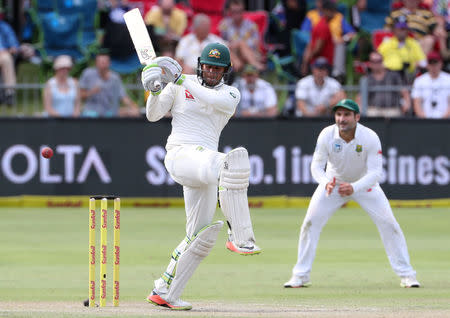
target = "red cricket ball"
x: 47, y: 152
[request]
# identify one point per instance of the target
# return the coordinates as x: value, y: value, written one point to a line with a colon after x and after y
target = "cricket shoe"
x: 156, y: 299
x: 248, y: 248
x: 297, y: 282
x: 409, y: 281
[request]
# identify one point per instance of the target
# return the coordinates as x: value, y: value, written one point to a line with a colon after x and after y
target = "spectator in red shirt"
x: 321, y: 43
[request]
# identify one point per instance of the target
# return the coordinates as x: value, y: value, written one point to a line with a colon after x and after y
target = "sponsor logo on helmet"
x: 232, y: 94
x: 214, y: 53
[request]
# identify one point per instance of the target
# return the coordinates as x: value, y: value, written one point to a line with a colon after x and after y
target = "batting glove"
x: 151, y: 78
x: 172, y: 70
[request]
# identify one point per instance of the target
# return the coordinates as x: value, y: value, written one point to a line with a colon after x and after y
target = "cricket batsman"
x: 201, y: 106
x: 353, y: 158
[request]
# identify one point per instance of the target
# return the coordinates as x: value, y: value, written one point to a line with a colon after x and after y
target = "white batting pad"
x: 233, y: 184
x: 196, y: 251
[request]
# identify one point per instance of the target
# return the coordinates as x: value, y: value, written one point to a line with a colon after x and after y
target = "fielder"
x: 352, y: 155
x: 201, y: 106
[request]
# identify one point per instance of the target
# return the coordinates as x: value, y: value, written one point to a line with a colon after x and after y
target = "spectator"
x: 402, y: 53
x: 369, y: 15
x: 317, y: 92
x: 169, y: 22
x: 9, y: 47
x: 386, y: 103
x: 341, y: 31
x: 321, y: 43
x: 191, y: 45
x: 441, y: 32
x: 285, y: 17
x: 242, y: 37
x: 431, y: 91
x: 103, y: 92
x: 61, y: 93
x: 116, y: 38
x: 441, y: 11
x: 117, y: 8
x: 421, y: 22
x: 258, y: 98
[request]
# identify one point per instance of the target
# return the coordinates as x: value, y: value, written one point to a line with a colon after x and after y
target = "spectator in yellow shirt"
x: 169, y: 22
x: 402, y: 53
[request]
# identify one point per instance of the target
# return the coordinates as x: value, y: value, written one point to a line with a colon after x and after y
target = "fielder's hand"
x: 345, y: 189
x: 151, y: 74
x: 172, y: 70
x: 330, y: 186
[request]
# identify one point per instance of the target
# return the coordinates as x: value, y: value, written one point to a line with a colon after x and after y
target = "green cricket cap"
x: 348, y: 104
x: 215, y: 54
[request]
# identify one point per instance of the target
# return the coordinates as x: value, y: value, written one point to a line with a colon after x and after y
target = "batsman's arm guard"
x: 233, y: 184
x: 198, y: 248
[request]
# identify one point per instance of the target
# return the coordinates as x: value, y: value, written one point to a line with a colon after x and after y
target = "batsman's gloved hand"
x: 151, y: 78
x: 172, y: 70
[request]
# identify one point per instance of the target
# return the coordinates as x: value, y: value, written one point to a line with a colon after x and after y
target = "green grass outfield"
x: 44, y: 266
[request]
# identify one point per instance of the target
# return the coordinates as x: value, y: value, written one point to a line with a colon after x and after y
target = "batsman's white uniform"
x: 198, y: 116
x: 359, y: 163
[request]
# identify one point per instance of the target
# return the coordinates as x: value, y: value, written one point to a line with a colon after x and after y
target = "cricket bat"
x: 140, y: 37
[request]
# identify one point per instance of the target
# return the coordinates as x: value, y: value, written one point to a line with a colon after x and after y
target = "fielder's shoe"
x: 249, y: 248
x: 409, y: 281
x: 156, y: 299
x: 297, y: 282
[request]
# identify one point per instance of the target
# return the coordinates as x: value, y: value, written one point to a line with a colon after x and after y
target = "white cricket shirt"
x: 313, y: 95
x: 358, y: 162
x: 198, y: 113
x: 435, y: 94
x: 262, y: 97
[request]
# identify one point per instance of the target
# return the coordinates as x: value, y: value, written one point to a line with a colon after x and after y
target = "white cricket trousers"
x: 197, y: 169
x: 375, y: 203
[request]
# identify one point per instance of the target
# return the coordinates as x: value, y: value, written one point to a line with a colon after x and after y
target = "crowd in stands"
x: 400, y: 48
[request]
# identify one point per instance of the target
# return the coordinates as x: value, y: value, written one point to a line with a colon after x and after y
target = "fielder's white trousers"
x: 375, y: 203
x: 197, y: 170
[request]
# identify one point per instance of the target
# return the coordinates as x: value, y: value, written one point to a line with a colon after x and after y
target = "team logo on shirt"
x: 214, y: 53
x: 337, y: 146
x: 358, y: 148
x: 188, y: 95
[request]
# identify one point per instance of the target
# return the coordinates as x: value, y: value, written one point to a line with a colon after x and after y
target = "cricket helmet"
x: 215, y: 54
